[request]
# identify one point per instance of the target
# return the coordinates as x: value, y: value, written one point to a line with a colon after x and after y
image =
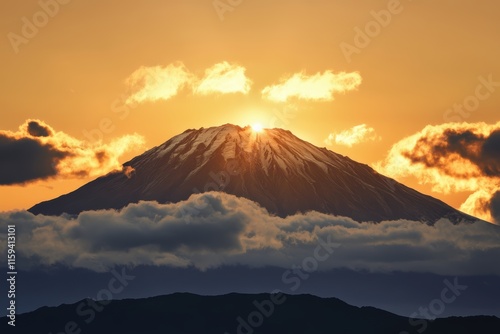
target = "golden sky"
x: 356, y: 77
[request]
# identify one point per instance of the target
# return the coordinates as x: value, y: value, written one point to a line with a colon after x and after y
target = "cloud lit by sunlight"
x: 224, y: 78
x: 36, y: 152
x: 320, y: 86
x: 154, y: 83
x: 216, y: 229
x: 355, y: 135
x: 149, y: 84
x: 452, y: 157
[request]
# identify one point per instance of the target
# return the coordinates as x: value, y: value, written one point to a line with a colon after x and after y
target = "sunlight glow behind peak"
x: 257, y: 127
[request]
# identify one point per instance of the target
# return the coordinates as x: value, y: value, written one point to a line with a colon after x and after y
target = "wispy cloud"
x: 149, y: 84
x: 452, y: 157
x: 357, y: 134
x: 216, y: 229
x: 36, y: 152
x: 320, y: 86
x: 224, y: 78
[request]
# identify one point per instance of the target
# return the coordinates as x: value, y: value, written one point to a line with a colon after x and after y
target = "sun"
x: 257, y: 127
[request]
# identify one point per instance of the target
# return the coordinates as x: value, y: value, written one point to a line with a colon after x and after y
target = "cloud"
x: 150, y: 84
x: 215, y: 229
x: 129, y: 171
x: 357, y: 134
x: 452, y: 157
x: 224, y: 78
x: 38, y: 152
x: 494, y: 206
x: 26, y: 159
x: 154, y: 83
x: 320, y: 86
x: 36, y: 129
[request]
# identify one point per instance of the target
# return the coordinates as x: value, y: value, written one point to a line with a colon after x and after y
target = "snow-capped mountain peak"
x: 274, y: 168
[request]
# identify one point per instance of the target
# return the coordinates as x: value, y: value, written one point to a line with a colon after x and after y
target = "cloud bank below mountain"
x: 214, y: 229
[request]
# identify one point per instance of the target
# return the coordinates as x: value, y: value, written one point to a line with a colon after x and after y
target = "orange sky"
x: 72, y: 71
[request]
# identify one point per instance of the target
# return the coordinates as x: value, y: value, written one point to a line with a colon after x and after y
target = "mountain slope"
x: 184, y: 313
x: 274, y: 168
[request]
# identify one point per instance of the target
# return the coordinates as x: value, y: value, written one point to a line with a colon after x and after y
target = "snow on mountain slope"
x: 274, y: 168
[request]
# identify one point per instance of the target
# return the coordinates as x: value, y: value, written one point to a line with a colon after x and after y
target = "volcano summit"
x: 274, y: 168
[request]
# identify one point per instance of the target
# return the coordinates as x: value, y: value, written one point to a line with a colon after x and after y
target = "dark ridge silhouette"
x: 184, y: 313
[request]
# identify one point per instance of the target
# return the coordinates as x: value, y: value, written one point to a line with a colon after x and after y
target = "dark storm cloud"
x: 491, y: 154
x: 38, y: 130
x: 211, y: 230
x: 136, y: 227
x: 26, y: 159
x: 37, y: 152
x: 451, y: 157
x: 440, y: 151
x: 494, y: 207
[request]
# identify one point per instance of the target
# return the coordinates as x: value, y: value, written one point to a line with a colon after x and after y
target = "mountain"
x: 184, y: 313
x: 274, y: 168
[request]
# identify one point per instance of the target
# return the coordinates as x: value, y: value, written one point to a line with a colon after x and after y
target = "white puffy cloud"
x: 149, y: 84
x: 215, y: 229
x: 320, y: 86
x: 357, y: 134
x: 154, y: 83
x: 224, y: 78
